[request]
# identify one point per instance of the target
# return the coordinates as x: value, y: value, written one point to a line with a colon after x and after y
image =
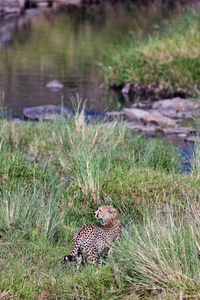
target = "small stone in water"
x: 54, y: 84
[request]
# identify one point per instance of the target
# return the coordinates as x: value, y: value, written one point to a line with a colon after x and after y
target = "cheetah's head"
x: 106, y: 212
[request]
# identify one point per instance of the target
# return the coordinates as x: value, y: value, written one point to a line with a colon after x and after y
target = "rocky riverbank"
x: 11, y: 6
x: 163, y: 118
x: 19, y: 6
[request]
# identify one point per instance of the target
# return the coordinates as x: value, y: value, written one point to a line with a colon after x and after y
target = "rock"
x: 176, y: 107
x: 47, y: 112
x: 126, y: 98
x: 178, y: 130
x: 182, y: 135
x: 109, y: 125
x: 149, y: 130
x: 148, y: 117
x: 116, y: 115
x: 191, y: 139
x: 11, y: 7
x: 42, y: 4
x: 126, y: 88
x: 17, y: 121
x: 156, y: 118
x: 173, y: 103
x: 61, y: 4
x: 142, y: 104
x: 134, y: 114
x: 54, y: 85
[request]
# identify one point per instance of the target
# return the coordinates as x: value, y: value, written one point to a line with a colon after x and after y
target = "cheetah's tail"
x: 69, y: 257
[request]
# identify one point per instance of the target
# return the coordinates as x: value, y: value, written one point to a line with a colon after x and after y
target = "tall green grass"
x: 85, y: 153
x: 169, y: 57
x: 52, y: 178
x: 33, y: 213
x: 161, y: 256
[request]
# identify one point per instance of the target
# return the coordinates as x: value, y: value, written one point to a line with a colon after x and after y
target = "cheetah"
x: 93, y: 241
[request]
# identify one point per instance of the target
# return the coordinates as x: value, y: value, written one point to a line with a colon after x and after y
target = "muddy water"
x: 67, y: 46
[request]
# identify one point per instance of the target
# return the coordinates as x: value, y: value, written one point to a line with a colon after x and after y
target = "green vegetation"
x: 52, y: 178
x: 169, y: 57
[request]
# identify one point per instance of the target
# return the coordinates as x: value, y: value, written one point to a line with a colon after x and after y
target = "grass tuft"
x: 162, y: 256
x: 85, y: 153
x: 34, y: 214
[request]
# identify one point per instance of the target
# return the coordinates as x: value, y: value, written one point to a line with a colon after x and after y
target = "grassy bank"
x: 52, y: 178
x: 168, y: 59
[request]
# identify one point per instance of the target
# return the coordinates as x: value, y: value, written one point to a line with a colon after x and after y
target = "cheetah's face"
x: 105, y: 212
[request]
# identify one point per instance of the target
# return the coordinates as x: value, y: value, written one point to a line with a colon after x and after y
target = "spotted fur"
x: 92, y: 241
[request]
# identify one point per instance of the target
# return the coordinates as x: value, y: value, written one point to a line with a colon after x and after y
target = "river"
x: 67, y: 46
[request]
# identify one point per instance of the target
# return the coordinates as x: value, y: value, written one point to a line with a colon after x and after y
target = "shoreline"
x: 173, y: 119
x: 18, y: 7
x: 162, y: 65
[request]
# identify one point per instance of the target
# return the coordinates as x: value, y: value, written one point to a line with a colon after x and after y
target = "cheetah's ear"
x: 112, y: 210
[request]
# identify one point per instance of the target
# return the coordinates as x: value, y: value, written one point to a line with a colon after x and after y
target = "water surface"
x: 67, y: 46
